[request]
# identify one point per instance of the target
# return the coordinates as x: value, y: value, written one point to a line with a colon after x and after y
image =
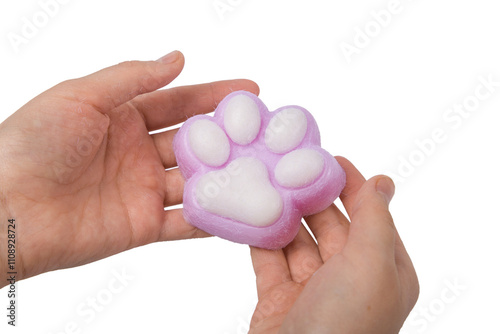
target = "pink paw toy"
x: 253, y: 174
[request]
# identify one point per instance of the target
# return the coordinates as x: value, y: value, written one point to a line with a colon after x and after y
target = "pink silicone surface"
x: 297, y: 202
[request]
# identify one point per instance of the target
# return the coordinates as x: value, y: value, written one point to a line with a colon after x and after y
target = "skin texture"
x: 357, y: 278
x: 84, y: 180
x: 81, y: 174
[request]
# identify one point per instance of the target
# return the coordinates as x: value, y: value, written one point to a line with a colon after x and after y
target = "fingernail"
x: 385, y: 187
x: 170, y: 58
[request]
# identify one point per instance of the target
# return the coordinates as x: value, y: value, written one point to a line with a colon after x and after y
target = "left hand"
x: 80, y: 172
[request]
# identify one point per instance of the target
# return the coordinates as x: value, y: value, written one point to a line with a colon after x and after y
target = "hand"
x: 357, y: 278
x: 80, y: 172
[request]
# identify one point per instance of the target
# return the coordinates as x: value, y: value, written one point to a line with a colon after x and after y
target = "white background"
x: 394, y: 92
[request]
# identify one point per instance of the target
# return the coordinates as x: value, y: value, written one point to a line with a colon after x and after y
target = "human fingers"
x: 164, y: 145
x: 175, y: 187
x: 175, y: 227
x: 303, y: 256
x: 168, y: 107
x: 115, y: 85
x: 330, y: 228
x: 270, y: 267
x: 372, y: 232
x: 354, y: 182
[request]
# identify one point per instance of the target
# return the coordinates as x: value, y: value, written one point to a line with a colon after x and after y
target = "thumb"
x: 63, y: 128
x: 115, y: 85
x: 372, y: 227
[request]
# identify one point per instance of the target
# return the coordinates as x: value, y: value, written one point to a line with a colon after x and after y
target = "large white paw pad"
x: 241, y: 192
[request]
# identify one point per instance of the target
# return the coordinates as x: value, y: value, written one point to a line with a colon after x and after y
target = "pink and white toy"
x: 253, y: 174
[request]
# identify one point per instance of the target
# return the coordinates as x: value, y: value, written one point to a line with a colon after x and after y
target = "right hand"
x: 358, y: 277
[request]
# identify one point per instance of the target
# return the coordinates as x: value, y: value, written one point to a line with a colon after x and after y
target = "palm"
x: 104, y: 202
x: 87, y: 180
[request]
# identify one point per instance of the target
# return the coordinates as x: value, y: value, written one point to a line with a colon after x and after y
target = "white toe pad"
x: 209, y: 143
x: 242, y: 119
x: 286, y: 130
x: 299, y: 168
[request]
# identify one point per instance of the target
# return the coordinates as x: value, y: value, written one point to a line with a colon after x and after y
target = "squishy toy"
x: 251, y: 174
